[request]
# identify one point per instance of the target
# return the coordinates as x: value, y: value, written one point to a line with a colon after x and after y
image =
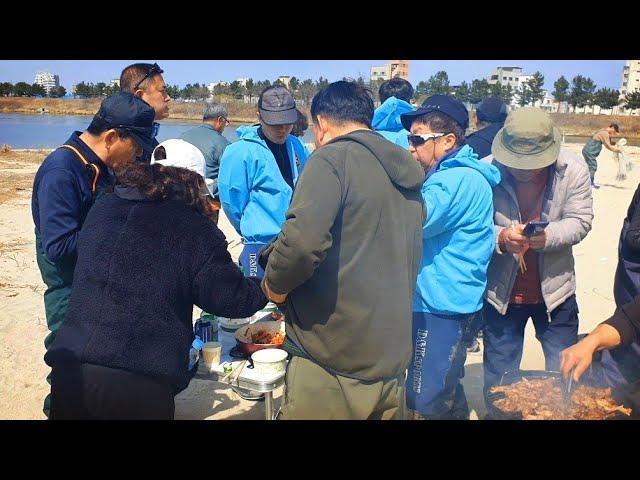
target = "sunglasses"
x: 155, y: 68
x: 422, y: 138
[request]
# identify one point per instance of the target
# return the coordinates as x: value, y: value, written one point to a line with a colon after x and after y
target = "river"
x: 50, y: 131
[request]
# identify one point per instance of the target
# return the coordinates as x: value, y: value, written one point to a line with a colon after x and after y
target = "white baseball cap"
x: 182, y: 154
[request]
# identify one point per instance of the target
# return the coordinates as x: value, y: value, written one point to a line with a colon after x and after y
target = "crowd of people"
x: 388, y: 249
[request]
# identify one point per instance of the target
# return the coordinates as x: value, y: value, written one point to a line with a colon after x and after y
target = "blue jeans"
x: 503, y: 336
x: 249, y: 260
x: 434, y: 390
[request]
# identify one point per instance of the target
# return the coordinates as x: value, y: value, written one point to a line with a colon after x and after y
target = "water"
x: 51, y: 131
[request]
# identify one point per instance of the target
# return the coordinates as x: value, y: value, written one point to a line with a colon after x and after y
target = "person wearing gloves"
x: 458, y: 240
x: 532, y: 272
x: 395, y: 95
x: 147, y: 253
x: 258, y: 174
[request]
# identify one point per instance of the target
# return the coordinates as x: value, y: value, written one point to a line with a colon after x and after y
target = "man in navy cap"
x: 458, y: 241
x: 490, y: 117
x: 68, y: 183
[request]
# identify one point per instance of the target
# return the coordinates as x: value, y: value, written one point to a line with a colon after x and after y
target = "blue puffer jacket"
x: 253, y: 193
x: 458, y: 235
x: 386, y: 121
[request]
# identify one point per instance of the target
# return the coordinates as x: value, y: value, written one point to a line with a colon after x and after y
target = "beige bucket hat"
x: 527, y: 141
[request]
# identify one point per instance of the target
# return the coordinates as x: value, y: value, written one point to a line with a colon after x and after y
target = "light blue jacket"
x: 253, y: 193
x: 458, y: 235
x: 386, y: 121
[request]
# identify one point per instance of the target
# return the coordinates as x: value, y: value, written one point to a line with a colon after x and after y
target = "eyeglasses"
x: 155, y: 68
x: 226, y: 120
x: 422, y: 138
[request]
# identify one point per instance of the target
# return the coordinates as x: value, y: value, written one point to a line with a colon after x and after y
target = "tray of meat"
x: 538, y: 395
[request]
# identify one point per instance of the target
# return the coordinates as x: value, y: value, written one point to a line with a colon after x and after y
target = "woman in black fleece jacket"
x: 146, y: 254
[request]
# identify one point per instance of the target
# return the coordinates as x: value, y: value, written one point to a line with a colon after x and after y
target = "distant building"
x: 242, y: 81
x: 504, y: 76
x: 213, y: 85
x: 285, y: 79
x: 115, y: 83
x: 630, y: 77
x: 47, y: 80
x: 395, y: 68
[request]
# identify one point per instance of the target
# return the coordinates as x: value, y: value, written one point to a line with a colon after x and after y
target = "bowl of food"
x: 259, y: 336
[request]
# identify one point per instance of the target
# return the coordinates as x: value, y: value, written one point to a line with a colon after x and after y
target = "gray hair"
x: 213, y: 111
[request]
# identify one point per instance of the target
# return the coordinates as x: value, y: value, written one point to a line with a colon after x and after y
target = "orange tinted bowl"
x: 245, y: 341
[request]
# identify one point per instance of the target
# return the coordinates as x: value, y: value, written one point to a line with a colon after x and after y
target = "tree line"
x: 580, y: 92
x: 23, y: 89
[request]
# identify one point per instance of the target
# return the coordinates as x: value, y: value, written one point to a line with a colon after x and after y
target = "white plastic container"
x: 269, y: 361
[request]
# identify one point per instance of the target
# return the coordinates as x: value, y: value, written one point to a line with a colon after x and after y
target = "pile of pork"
x: 543, y: 399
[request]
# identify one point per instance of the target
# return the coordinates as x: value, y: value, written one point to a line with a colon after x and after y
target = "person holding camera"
x: 543, y: 207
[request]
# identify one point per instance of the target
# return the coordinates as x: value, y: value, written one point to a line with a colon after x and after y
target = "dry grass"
x: 579, y: 124
x: 238, y: 112
x: 11, y: 184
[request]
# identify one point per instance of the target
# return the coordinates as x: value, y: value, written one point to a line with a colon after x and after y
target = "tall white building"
x: 504, y: 76
x: 47, y: 80
x: 630, y: 77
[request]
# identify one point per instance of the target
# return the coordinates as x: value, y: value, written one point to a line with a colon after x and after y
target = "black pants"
x: 504, y: 335
x: 82, y: 391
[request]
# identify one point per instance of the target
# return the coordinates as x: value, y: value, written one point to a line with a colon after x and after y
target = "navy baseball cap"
x: 125, y: 111
x: 439, y: 103
x: 492, y: 110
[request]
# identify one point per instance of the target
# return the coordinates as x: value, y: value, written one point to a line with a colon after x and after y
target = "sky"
x: 605, y: 73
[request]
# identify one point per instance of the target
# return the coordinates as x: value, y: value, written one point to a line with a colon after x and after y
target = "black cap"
x: 615, y: 127
x: 492, y: 110
x: 439, y: 103
x: 125, y: 111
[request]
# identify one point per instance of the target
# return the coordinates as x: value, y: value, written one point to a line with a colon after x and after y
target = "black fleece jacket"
x: 142, y: 265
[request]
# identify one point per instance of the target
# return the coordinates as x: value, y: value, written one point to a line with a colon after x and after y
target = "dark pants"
x: 58, y: 277
x: 503, y: 336
x: 249, y: 260
x: 434, y: 390
x: 82, y: 391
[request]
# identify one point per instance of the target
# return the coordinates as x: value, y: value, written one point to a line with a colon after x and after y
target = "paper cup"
x: 211, y: 354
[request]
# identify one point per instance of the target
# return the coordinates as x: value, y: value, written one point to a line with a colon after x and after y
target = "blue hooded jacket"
x: 458, y: 235
x: 253, y: 193
x: 386, y: 121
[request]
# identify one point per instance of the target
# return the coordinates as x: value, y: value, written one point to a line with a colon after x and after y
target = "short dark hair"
x: 440, y: 123
x: 615, y: 127
x: 132, y: 74
x: 344, y: 101
x: 396, y: 87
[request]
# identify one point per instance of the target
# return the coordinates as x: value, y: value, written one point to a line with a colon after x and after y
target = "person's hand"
x: 537, y: 242
x: 579, y: 356
x: 513, y: 239
x: 273, y: 297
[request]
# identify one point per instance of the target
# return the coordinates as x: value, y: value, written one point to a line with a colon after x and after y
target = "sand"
x: 23, y: 326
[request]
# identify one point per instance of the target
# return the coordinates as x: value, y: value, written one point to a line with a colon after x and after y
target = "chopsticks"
x: 238, y: 369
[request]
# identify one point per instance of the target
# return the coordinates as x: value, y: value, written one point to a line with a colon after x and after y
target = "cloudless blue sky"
x: 605, y: 73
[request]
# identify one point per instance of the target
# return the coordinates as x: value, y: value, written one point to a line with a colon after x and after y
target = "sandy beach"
x: 23, y: 326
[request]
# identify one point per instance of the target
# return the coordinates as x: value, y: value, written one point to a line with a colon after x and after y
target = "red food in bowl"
x: 251, y: 337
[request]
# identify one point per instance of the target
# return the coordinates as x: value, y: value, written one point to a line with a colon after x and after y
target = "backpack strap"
x: 92, y: 168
